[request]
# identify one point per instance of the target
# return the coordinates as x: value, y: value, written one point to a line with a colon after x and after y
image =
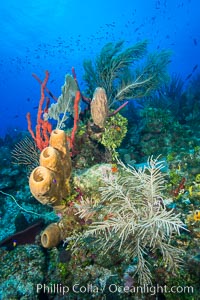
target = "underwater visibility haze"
x: 100, y: 149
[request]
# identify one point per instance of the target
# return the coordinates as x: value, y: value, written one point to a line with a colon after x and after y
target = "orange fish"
x: 108, y: 216
x: 118, y: 128
x: 114, y: 168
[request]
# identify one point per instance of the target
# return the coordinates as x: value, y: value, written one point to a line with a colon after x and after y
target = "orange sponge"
x: 49, y: 183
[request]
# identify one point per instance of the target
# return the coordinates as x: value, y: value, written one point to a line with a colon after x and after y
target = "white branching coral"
x: 135, y: 219
x: 86, y: 208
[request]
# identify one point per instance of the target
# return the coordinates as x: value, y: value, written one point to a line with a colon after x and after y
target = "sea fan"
x: 117, y: 71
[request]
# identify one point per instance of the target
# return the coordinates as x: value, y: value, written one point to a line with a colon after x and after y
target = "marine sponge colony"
x: 106, y: 202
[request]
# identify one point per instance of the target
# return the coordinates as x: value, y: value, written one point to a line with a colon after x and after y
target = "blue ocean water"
x: 57, y: 35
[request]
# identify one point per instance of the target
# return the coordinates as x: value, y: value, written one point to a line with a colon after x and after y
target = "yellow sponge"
x: 49, y: 183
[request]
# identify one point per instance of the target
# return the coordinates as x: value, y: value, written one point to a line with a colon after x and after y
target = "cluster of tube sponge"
x: 49, y: 182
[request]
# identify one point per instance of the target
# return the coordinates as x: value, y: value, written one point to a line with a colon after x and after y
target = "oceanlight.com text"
x: 112, y: 288
x: 152, y: 290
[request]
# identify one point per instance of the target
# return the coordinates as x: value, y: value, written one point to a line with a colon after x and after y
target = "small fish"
x: 188, y: 77
x: 195, y: 67
x: 118, y: 128
x: 14, y: 243
x: 196, y: 215
x: 114, y: 168
x: 195, y: 42
x: 108, y: 216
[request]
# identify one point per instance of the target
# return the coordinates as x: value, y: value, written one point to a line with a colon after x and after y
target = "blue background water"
x: 58, y: 34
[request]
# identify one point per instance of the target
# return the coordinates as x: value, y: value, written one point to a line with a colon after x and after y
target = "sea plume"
x: 132, y: 218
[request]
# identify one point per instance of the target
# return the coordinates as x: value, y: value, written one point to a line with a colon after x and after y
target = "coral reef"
x: 20, y: 271
x: 121, y: 225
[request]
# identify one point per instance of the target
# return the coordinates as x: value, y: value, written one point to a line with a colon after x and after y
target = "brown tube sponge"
x: 49, y: 183
x: 50, y: 158
x: 58, y: 141
x: 51, y: 236
x: 43, y: 185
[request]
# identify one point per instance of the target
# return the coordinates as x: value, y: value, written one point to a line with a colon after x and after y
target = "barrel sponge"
x: 49, y: 182
x: 51, y: 236
x: 99, y: 107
